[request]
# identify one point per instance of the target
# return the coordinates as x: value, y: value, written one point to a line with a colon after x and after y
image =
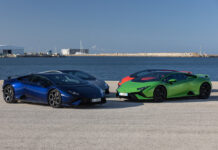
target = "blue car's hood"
x: 84, y: 90
x: 99, y: 83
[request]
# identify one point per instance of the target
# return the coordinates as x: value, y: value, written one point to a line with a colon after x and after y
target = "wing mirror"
x: 172, y: 80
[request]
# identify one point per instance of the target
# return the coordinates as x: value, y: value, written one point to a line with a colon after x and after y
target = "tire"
x: 8, y: 94
x: 205, y: 90
x: 160, y: 94
x: 54, y: 98
x: 107, y: 91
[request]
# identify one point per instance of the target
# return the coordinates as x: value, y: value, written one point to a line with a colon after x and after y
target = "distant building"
x: 49, y: 52
x: 7, y: 50
x: 70, y: 51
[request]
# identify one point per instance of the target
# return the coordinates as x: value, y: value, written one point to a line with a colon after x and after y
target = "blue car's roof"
x: 51, y: 75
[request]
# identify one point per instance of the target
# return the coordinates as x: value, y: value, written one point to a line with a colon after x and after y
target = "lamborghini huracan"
x: 160, y: 85
x: 54, y: 89
x: 142, y: 72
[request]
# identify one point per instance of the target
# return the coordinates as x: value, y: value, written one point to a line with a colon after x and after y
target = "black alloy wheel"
x: 205, y: 91
x: 54, y: 98
x: 160, y: 94
x: 8, y: 94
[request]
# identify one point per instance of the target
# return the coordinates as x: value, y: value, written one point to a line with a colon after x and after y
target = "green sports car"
x: 161, y: 85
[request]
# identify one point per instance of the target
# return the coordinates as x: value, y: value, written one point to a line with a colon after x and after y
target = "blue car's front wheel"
x: 54, y: 98
x: 8, y: 93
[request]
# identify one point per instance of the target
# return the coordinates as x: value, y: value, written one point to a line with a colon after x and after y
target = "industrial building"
x: 70, y: 51
x: 8, y: 50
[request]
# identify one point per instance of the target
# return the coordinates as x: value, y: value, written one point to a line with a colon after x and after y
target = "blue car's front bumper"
x: 70, y: 100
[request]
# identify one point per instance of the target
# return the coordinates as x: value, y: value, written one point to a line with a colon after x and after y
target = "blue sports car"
x: 54, y: 89
x: 84, y: 76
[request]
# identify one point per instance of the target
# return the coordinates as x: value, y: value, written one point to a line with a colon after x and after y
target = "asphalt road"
x: 175, y: 124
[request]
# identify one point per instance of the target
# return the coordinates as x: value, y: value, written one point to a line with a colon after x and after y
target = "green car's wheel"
x: 54, y: 98
x: 160, y: 94
x: 8, y: 94
x: 205, y: 91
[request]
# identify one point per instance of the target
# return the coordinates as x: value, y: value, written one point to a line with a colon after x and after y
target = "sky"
x: 107, y: 26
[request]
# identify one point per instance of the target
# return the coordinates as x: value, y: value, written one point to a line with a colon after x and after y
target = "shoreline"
x: 179, y: 55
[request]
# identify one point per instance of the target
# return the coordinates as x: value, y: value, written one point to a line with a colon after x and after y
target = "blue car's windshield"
x: 80, y: 74
x: 63, y: 79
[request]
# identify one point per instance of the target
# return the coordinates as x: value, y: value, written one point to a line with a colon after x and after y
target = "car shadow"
x: 114, y: 103
x: 175, y: 100
x: 191, y: 100
x: 111, y: 104
x: 179, y: 100
x: 31, y: 103
x: 110, y: 95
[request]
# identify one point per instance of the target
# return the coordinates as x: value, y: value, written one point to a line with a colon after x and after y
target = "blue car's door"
x: 26, y: 83
x: 35, y: 91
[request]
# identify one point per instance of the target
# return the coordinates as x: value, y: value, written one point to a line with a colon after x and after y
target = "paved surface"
x: 176, y: 124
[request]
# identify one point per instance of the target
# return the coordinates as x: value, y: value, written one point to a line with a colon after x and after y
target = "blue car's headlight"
x: 73, y: 92
x: 143, y: 88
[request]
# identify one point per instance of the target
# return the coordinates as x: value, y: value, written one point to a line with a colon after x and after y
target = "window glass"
x: 25, y: 78
x: 151, y: 76
x: 82, y: 75
x: 60, y: 79
x: 40, y: 81
x: 45, y: 82
x: 178, y: 77
x: 35, y: 80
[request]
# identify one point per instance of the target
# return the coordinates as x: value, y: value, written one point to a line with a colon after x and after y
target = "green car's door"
x: 179, y: 86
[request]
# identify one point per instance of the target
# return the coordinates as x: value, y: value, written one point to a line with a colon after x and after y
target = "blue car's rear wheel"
x: 205, y: 91
x: 54, y: 98
x: 8, y: 94
x: 160, y: 94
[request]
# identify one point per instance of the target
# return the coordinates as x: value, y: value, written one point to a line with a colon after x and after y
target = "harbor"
x: 8, y: 51
x: 108, y: 75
